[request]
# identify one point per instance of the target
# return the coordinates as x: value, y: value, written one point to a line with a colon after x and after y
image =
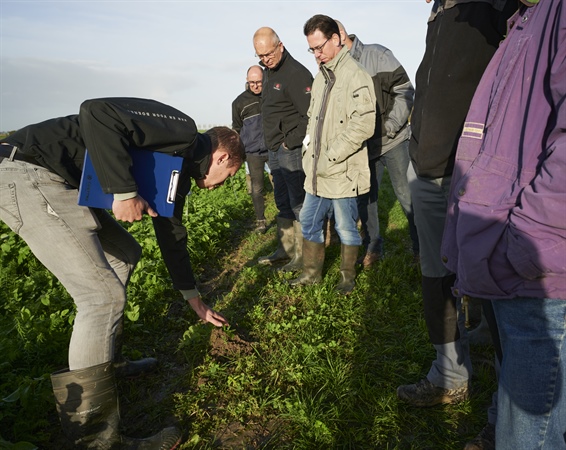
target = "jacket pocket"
x: 362, y: 101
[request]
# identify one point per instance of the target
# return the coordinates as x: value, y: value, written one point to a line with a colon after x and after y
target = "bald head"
x: 268, y: 47
x: 254, y: 79
x: 344, y: 35
x: 266, y: 35
x: 255, y: 71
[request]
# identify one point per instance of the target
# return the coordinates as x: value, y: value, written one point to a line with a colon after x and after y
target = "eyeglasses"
x: 255, y: 83
x: 268, y: 55
x: 319, y: 48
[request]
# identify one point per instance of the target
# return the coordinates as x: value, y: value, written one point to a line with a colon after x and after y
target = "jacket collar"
x: 357, y: 47
x: 332, y: 65
x: 284, y: 56
x: 197, y: 158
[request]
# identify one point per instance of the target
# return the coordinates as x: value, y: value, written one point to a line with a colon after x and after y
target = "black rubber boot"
x: 87, y: 403
x: 313, y: 260
x: 124, y: 368
x: 296, y: 262
x: 285, y: 239
x: 348, y: 258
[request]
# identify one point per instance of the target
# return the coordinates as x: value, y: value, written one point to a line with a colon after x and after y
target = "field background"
x: 299, y: 368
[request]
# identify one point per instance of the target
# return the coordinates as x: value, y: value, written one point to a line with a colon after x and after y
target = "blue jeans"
x: 531, y: 411
x: 316, y: 209
x: 288, y: 181
x: 86, y: 249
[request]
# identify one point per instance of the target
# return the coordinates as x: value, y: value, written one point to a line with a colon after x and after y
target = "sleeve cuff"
x: 191, y: 293
x: 125, y: 195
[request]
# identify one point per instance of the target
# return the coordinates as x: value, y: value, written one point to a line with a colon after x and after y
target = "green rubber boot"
x: 296, y: 262
x: 286, y: 243
x: 87, y: 403
x: 348, y: 258
x: 313, y: 260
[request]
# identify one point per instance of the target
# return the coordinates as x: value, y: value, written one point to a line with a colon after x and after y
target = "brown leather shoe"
x: 260, y: 226
x: 369, y: 259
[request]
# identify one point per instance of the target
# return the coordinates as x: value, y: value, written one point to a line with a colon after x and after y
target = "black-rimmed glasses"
x: 318, y: 48
x: 268, y: 55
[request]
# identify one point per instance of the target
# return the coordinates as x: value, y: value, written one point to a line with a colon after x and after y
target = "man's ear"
x: 336, y: 38
x: 222, y: 157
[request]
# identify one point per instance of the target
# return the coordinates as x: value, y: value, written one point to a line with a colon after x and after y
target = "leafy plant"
x: 299, y: 368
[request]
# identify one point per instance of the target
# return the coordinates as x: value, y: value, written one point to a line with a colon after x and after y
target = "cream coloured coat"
x: 341, y: 117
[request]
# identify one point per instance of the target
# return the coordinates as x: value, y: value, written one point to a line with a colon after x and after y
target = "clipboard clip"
x: 173, y: 183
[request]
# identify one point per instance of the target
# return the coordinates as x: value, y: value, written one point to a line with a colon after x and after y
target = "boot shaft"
x: 285, y: 242
x: 313, y: 260
x: 87, y: 403
x: 348, y: 258
x: 296, y: 262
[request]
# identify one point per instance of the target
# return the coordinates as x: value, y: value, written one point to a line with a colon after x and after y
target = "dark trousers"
x: 256, y: 164
x: 288, y: 181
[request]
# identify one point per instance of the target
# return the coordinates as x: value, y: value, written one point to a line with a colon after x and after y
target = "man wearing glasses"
x: 341, y: 118
x: 246, y: 120
x: 285, y: 101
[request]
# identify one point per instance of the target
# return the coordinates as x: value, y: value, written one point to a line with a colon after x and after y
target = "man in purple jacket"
x: 505, y: 233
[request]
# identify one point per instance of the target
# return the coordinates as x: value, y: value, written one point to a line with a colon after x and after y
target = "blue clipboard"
x: 156, y: 174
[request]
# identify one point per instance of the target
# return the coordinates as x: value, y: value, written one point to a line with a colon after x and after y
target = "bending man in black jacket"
x: 89, y: 252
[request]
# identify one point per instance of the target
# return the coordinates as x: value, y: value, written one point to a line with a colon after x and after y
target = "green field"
x: 299, y: 368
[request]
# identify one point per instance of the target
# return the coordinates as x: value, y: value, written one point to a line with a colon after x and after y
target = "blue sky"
x: 192, y: 55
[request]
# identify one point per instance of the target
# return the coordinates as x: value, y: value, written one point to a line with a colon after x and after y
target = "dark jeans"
x: 256, y: 165
x: 288, y: 181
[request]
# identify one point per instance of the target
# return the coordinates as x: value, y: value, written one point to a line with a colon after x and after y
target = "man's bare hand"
x: 132, y: 209
x: 206, y: 313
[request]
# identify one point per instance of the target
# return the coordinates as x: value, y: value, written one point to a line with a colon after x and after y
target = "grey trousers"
x: 452, y: 367
x: 86, y: 249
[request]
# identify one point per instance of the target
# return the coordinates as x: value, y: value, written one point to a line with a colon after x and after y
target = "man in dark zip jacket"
x: 285, y: 102
x: 247, y: 121
x: 89, y: 252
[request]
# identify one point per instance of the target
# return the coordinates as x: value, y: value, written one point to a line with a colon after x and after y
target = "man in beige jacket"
x: 341, y: 117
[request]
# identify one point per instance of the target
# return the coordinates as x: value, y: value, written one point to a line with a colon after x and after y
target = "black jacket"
x: 460, y: 42
x: 247, y: 121
x: 285, y: 102
x: 108, y: 128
